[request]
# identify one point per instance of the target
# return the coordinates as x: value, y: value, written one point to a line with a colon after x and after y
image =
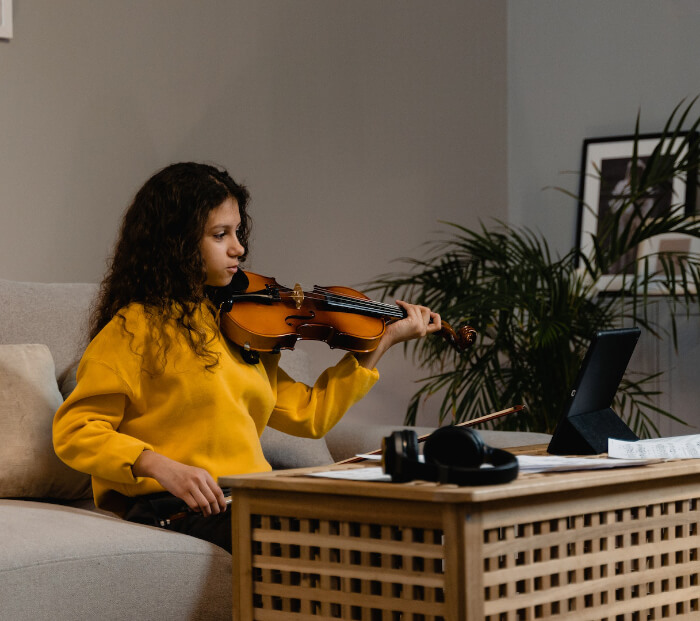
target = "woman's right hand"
x: 195, y: 486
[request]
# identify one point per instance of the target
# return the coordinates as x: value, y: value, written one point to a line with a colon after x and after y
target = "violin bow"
x: 467, y: 423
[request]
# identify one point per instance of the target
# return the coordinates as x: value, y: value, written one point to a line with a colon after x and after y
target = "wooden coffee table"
x: 614, y: 544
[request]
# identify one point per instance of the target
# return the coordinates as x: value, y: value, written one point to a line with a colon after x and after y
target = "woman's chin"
x: 224, y: 281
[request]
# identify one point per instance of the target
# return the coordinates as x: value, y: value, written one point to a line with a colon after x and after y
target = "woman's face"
x: 220, y: 246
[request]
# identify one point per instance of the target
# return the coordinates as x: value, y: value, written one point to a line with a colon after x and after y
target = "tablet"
x: 588, y: 419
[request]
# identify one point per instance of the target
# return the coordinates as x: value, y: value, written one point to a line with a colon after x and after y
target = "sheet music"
x: 678, y: 447
x: 555, y: 463
x: 526, y: 464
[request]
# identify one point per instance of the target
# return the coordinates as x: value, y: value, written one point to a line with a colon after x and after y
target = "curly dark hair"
x: 157, y: 259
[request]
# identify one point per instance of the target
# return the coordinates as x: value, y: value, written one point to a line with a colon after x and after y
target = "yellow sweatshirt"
x: 211, y: 420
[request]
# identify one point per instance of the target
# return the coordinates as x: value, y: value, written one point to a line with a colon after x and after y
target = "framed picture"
x: 659, y: 244
x: 605, y: 176
x: 5, y: 19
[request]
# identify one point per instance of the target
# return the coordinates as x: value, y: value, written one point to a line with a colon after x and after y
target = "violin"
x: 259, y: 314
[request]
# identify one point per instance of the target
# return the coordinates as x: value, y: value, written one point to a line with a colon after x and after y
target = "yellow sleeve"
x: 85, y: 427
x: 311, y: 412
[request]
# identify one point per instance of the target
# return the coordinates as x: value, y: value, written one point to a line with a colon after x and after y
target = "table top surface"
x: 530, y: 484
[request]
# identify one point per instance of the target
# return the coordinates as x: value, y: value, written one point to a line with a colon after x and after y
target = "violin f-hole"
x: 288, y: 318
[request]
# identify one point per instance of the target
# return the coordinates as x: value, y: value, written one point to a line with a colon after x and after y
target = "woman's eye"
x: 219, y: 235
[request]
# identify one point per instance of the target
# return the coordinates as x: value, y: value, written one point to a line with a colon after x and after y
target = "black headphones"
x: 452, y: 455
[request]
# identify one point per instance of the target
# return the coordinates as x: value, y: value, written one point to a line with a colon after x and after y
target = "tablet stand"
x: 587, y: 433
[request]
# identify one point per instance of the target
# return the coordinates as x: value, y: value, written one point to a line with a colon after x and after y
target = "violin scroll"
x: 460, y: 339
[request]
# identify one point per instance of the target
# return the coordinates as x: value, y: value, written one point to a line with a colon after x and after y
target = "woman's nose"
x: 236, y: 249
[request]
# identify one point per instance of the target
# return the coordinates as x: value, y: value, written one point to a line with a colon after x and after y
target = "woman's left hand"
x: 419, y: 321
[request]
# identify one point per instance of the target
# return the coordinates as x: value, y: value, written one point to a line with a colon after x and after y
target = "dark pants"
x: 169, y: 512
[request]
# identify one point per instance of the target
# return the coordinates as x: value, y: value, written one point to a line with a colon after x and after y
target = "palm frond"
x: 535, y: 312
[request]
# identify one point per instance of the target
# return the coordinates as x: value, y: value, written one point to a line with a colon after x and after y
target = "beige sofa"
x: 61, y: 558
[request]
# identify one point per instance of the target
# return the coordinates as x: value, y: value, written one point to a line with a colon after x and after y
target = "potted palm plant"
x: 535, y: 312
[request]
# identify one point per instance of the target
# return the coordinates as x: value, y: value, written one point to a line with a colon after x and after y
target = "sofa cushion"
x: 69, y: 381
x: 29, y: 397
x: 283, y: 451
x: 52, y: 313
x: 64, y: 563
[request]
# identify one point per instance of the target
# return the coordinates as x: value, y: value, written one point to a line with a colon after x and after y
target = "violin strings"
x: 354, y: 303
x: 362, y: 304
x: 349, y: 297
x: 345, y: 296
x: 348, y: 300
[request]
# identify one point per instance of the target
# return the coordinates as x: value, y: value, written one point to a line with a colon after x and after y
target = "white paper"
x: 376, y: 457
x: 678, y: 447
x: 354, y: 474
x: 555, y: 463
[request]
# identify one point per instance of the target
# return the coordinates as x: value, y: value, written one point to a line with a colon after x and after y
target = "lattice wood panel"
x: 619, y: 545
x: 332, y: 569
x: 632, y: 564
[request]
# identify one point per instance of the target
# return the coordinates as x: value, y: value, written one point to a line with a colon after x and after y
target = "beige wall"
x: 614, y: 59
x: 357, y: 125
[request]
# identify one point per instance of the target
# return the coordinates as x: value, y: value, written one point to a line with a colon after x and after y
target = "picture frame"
x: 605, y: 169
x: 666, y: 242
x: 5, y: 19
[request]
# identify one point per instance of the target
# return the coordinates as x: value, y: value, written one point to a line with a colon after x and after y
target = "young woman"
x: 164, y: 404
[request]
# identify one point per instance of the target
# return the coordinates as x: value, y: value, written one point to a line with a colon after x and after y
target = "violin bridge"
x: 298, y: 296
